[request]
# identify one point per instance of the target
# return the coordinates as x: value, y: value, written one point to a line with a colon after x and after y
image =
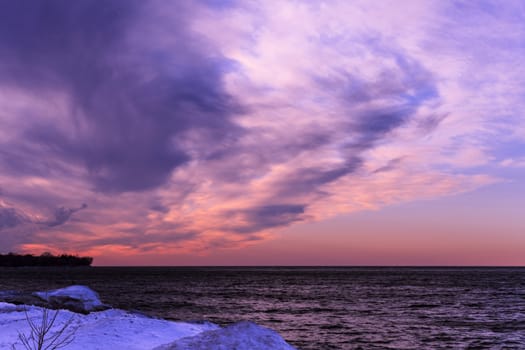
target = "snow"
x: 87, y: 299
x: 119, y: 329
x: 110, y: 329
x: 241, y: 335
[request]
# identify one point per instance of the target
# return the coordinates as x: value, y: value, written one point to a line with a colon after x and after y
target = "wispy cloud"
x: 18, y: 227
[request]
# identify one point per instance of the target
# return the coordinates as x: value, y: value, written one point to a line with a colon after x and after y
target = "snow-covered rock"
x: 75, y: 298
x: 239, y: 336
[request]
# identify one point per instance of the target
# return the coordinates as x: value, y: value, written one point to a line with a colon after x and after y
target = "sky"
x: 264, y: 132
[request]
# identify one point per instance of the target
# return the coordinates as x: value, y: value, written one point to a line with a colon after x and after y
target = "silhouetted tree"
x: 45, y: 259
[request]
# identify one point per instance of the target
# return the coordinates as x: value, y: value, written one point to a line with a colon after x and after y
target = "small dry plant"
x: 42, y: 336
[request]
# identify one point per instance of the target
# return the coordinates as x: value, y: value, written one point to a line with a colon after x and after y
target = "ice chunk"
x: 75, y: 298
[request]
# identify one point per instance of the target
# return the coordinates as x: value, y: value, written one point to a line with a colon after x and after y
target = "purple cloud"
x: 10, y: 218
x: 269, y: 216
x: 62, y: 215
x: 129, y: 105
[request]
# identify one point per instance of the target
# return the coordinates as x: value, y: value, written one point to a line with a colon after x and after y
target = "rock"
x: 80, y: 299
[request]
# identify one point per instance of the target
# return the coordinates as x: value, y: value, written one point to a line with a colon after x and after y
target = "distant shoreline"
x: 279, y: 267
x: 44, y: 260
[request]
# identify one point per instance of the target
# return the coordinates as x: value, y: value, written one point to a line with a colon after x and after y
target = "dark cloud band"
x: 128, y: 105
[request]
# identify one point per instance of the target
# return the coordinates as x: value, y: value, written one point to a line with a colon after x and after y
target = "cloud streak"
x: 11, y: 217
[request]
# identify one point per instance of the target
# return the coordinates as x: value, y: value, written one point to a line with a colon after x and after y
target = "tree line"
x: 45, y: 259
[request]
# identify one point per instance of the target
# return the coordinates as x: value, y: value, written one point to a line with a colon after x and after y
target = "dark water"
x: 319, y: 308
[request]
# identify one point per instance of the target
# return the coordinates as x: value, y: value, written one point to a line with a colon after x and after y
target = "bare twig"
x: 41, y: 336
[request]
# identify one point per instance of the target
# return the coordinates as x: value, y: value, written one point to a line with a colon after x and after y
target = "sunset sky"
x: 264, y: 132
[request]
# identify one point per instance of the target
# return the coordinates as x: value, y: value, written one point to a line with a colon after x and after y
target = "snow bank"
x: 110, y: 329
x: 118, y: 329
x: 74, y: 298
x: 240, y: 336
